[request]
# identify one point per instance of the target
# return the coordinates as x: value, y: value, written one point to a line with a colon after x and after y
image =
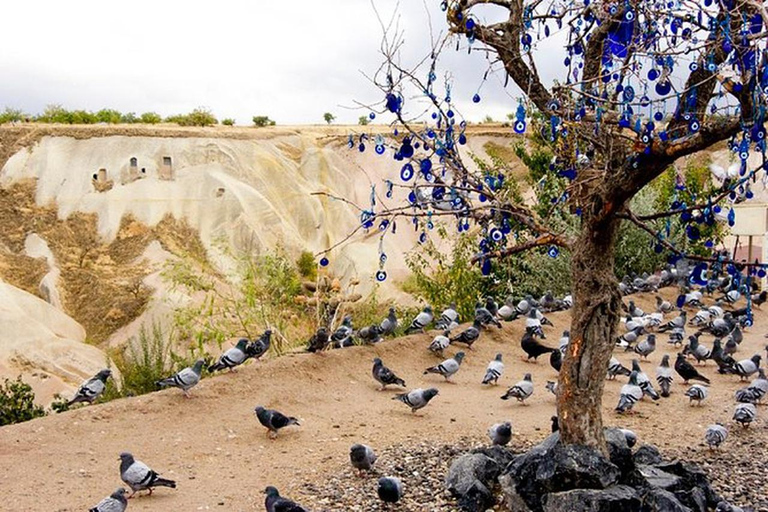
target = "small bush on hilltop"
x: 228, y: 122
x: 150, y: 118
x: 261, y: 121
x: 17, y: 403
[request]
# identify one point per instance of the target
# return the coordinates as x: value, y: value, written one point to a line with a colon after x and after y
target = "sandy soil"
x: 216, y: 450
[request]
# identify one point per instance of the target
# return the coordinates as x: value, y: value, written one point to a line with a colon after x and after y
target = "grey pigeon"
x: 259, y: 347
x: 630, y: 436
x: 342, y: 336
x: 448, y: 320
x: 565, y: 339
x: 362, y: 457
x: 616, y: 368
x: 507, y: 311
x: 440, y: 343
x: 421, y: 321
x: 91, y: 389
x: 389, y: 324
x: 715, y: 435
x: 384, y: 375
x: 390, y: 489
x: 747, y: 367
x: 448, y: 367
x: 676, y: 323
x: 664, y: 376
x: 697, y: 393
x: 494, y: 371
x: 416, y: 399
x: 186, y: 379
x: 522, y: 390
x: 274, y: 420
x: 276, y: 503
x: 319, y: 341
x: 484, y: 316
x: 745, y: 414
x: 469, y: 335
x: 232, y: 357
x: 500, y: 433
x: 491, y: 306
x: 628, y: 339
x: 755, y: 392
x: 697, y: 350
x: 139, y: 477
x: 370, y: 334
x: 643, y: 381
x: 551, y: 387
x: 630, y: 394
x: 533, y: 324
x: 663, y: 306
x: 646, y: 347
x: 115, y: 502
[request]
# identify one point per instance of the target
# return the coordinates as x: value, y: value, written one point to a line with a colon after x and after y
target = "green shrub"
x: 363, y: 120
x: 129, y: 118
x: 329, y: 118
x: 109, y: 116
x: 307, y: 265
x: 12, y: 115
x: 17, y: 403
x: 201, y: 116
x: 150, y: 118
x: 261, y: 121
x: 228, y: 122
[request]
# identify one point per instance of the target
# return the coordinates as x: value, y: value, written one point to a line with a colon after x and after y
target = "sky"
x: 291, y: 60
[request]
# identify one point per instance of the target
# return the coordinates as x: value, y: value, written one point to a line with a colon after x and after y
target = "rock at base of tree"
x: 659, y: 499
x: 648, y: 455
x: 619, y: 451
x: 470, y: 477
x: 613, y: 499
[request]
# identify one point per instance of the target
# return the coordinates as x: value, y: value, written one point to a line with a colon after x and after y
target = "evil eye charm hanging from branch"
x: 379, y: 144
x: 367, y: 218
x: 389, y: 186
x: 406, y: 173
x: 520, y: 124
x: 553, y: 252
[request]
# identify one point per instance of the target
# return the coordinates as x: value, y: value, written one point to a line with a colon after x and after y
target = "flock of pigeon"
x: 640, y: 337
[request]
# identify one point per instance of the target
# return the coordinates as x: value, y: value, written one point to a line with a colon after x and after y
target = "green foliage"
x: 150, y: 118
x: 12, y: 115
x: 108, y: 115
x: 363, y: 120
x: 487, y: 120
x: 17, y: 403
x: 261, y: 121
x: 328, y: 117
x: 200, y: 116
x: 307, y: 266
x: 228, y: 121
x: 129, y: 118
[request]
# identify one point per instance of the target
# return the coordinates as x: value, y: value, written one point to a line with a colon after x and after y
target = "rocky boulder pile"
x: 552, y: 477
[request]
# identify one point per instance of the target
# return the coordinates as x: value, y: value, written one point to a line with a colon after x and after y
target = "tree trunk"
x: 596, y: 309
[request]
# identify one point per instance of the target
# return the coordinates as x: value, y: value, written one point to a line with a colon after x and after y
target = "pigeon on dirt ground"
x: 440, y: 343
x: 664, y: 376
x: 630, y: 394
x: 448, y: 320
x: 494, y: 371
x: 139, y: 477
x: 390, y: 489
x: 319, y: 341
x: 385, y: 376
x: 186, y: 379
x: 417, y: 399
x: 362, y: 457
x: 500, y: 433
x: 91, y: 389
x: 715, y: 435
x: 643, y: 381
x: 687, y: 371
x: 259, y: 347
x: 232, y: 358
x: 469, y: 335
x: 697, y: 393
x: 448, y: 367
x: 276, y: 503
x: 745, y: 414
x: 532, y: 347
x: 616, y: 368
x: 389, y: 324
x: 522, y: 390
x: 274, y: 420
x: 421, y: 321
x: 115, y: 502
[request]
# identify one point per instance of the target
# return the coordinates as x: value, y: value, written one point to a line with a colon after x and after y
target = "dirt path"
x: 216, y: 450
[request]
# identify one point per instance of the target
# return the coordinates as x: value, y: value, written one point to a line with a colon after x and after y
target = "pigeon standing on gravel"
x: 643, y: 381
x: 630, y: 394
x: 259, y: 347
x: 91, y: 389
x: 421, y: 321
x: 115, y: 502
x: 715, y: 435
x: 628, y: 339
x: 417, y: 399
x: 469, y: 335
x: 186, y: 379
x: 646, y: 347
x: 274, y: 420
x: 448, y: 320
x: 319, y: 341
x: 389, y: 324
x: 675, y: 323
x: 565, y: 339
x: 551, y: 386
x: 494, y: 371
x: 276, y: 503
x: 500, y: 433
x: 448, y: 367
x: 233, y: 357
x: 362, y: 457
x: 725, y: 363
x: 385, y: 376
x: 522, y: 390
x: 697, y: 393
x: 139, y: 477
x: 664, y: 376
x: 440, y: 343
x: 390, y: 489
x: 745, y: 414
x: 616, y: 368
x: 687, y: 371
x: 532, y: 347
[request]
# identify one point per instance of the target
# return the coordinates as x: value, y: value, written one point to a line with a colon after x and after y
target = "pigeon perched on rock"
x: 416, y: 399
x: 384, y: 375
x: 259, y: 347
x: 494, y: 371
x: 745, y: 414
x: 390, y: 489
x: 276, y: 503
x: 643, y: 381
x: 448, y: 367
x: 630, y: 394
x: 522, y: 390
x: 646, y: 347
x: 231, y: 358
x: 630, y: 437
x: 91, y: 389
x: 115, y: 502
x: 389, y: 324
x: 448, y: 320
x: 421, y: 321
x: 319, y: 341
x: 532, y: 347
x: 616, y: 368
x: 274, y: 420
x: 440, y: 343
x: 687, y: 371
x: 697, y: 393
x: 362, y: 457
x: 469, y: 335
x: 500, y: 433
x: 664, y: 376
x: 186, y: 379
x: 716, y: 435
x: 139, y: 477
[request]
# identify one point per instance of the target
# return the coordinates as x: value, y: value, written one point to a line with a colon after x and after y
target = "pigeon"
x: 663, y: 306
x: 233, y: 357
x: 508, y: 311
x: 687, y: 371
x: 724, y: 506
x: 491, y: 306
x: 521, y: 390
x: 643, y: 381
x: 645, y: 347
x: 634, y: 311
x: 91, y: 389
x: 319, y: 341
x: 755, y: 391
x: 440, y: 343
x: 697, y: 393
x: 494, y: 371
x: 628, y: 339
x: 730, y: 347
x: 469, y: 335
x: 629, y: 395
x: 186, y: 379
x: 747, y: 367
x: 370, y: 334
x: 259, y: 347
x: 448, y: 367
x: 630, y: 436
x: 139, y: 477
x: 702, y: 317
x: 389, y: 324
x: 556, y: 360
x: 115, y: 502
x: 616, y: 368
x: 532, y: 347
x: 416, y: 399
x: 274, y: 420
x: 276, y: 503
x: 551, y: 387
x: 745, y: 414
x: 565, y: 339
x: 696, y: 349
x: 664, y: 376
x: 421, y: 321
x: 715, y: 435
x: 362, y: 457
x: 500, y: 433
x: 385, y: 376
x: 677, y: 322
x: 484, y: 316
x: 758, y: 299
x: 676, y: 336
x: 448, y: 320
x: 555, y: 424
x: 390, y: 489
x: 533, y: 324
x: 342, y: 336
x: 725, y: 363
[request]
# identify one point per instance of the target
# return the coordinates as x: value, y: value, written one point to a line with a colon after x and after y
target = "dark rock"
x: 477, y: 498
x: 618, y: 450
x: 470, y: 469
x: 652, y: 476
x: 500, y: 454
x: 659, y: 500
x: 695, y: 499
x: 613, y: 499
x: 648, y: 455
x: 695, y: 478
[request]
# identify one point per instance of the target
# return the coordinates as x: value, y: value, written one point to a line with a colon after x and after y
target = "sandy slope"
x: 214, y: 447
